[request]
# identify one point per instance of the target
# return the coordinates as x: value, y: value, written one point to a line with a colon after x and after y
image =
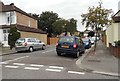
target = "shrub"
x: 117, y: 43
x: 13, y: 36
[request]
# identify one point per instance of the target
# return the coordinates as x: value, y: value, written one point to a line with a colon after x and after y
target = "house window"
x: 4, y: 31
x: 5, y: 37
x: 29, y: 23
x: 8, y: 19
x: 8, y: 31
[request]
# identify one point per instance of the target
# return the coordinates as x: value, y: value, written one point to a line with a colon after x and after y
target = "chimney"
x: 12, y: 4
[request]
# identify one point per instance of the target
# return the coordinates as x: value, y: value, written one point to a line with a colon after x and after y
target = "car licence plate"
x: 65, y: 46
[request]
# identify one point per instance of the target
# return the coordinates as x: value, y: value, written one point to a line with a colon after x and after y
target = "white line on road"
x: 16, y: 59
x: 57, y: 67
x: 31, y: 68
x: 106, y: 73
x: 21, y: 64
x: 3, y: 62
x: 12, y: 66
x: 55, y: 70
x: 74, y: 72
x: 48, y: 51
x: 36, y: 65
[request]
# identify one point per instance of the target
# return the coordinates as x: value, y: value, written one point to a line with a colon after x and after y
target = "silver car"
x: 31, y: 44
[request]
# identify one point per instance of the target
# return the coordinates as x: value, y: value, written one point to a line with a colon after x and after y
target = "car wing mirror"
x: 39, y: 41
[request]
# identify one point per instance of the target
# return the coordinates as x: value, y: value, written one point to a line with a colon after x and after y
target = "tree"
x: 46, y: 20
x: 97, y: 18
x: 59, y: 26
x: 13, y: 36
x: 63, y: 25
x: 91, y: 34
x: 71, y: 25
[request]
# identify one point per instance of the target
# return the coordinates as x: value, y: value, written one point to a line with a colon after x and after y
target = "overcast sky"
x: 64, y: 8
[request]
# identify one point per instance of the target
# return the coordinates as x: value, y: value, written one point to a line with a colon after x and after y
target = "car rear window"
x: 85, y: 39
x: 67, y: 39
x: 20, y: 40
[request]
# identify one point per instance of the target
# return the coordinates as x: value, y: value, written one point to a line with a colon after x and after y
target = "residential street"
x: 62, y: 40
x: 44, y: 64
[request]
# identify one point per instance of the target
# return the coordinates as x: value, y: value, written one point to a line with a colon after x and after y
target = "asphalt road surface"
x: 44, y: 64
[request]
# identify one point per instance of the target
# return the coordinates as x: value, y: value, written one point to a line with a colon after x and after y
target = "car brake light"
x: 56, y: 44
x: 25, y: 44
x: 74, y: 46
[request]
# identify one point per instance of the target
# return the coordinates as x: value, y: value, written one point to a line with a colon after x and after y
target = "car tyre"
x: 83, y: 52
x: 18, y: 51
x: 58, y: 53
x: 76, y: 55
x: 31, y: 49
x: 43, y: 47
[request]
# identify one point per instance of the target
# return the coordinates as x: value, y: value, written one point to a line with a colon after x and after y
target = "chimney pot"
x: 12, y: 4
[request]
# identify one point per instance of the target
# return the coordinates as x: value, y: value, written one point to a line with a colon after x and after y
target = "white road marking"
x: 21, y: 64
x: 12, y: 66
x: 48, y: 51
x: 106, y: 73
x: 36, y: 65
x: 55, y: 70
x: 16, y: 59
x: 57, y: 67
x: 74, y: 72
x: 3, y: 62
x: 31, y: 68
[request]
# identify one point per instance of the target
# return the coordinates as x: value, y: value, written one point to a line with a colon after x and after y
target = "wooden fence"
x: 114, y: 50
x: 52, y: 40
x: 104, y: 39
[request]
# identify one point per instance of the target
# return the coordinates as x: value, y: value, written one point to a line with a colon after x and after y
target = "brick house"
x: 113, y: 31
x: 10, y: 15
x: 113, y: 34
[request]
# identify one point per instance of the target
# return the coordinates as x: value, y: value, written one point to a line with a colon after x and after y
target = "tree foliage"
x: 58, y: 26
x: 71, y: 25
x: 46, y: 20
x: 13, y: 36
x: 97, y: 17
x: 63, y: 25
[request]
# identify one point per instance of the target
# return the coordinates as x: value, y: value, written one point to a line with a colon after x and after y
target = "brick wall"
x: 42, y: 37
x: 25, y: 20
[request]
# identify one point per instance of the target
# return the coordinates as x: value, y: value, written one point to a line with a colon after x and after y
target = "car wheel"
x: 18, y: 51
x: 58, y: 53
x: 31, y: 49
x: 43, y: 47
x: 76, y: 55
x: 83, y: 52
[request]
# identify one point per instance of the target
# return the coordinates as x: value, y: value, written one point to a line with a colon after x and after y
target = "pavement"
x: 100, y: 61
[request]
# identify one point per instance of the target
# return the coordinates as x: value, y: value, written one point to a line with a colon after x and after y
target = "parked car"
x: 92, y: 40
x: 31, y: 44
x: 87, y: 43
x: 70, y: 45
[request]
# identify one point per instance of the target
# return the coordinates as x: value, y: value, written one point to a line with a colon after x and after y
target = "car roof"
x: 28, y: 38
x: 69, y: 36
